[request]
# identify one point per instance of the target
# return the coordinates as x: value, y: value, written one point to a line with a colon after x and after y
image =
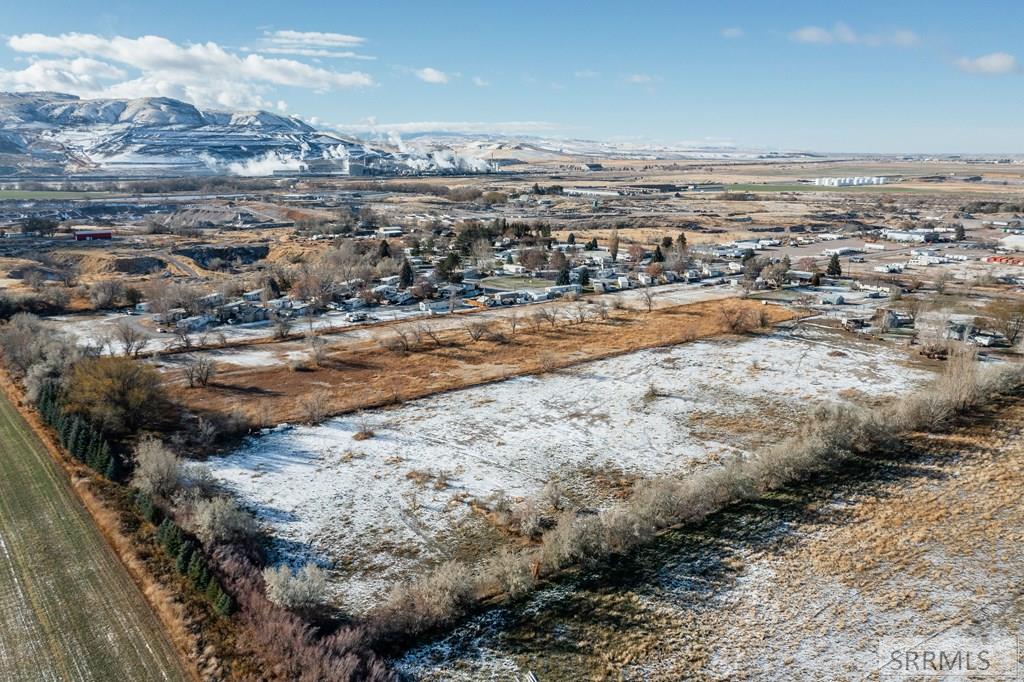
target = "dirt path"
x: 68, y: 609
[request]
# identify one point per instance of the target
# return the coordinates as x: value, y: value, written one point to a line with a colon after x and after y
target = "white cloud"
x: 732, y: 32
x: 314, y: 38
x: 842, y: 34
x: 314, y: 52
x: 312, y: 44
x: 586, y: 73
x: 61, y: 75
x: 204, y: 74
x: 990, y: 64
x: 480, y: 82
x: 639, y: 78
x: 431, y: 75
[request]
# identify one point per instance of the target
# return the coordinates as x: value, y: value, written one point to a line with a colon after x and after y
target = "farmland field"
x: 68, y: 608
x: 31, y: 195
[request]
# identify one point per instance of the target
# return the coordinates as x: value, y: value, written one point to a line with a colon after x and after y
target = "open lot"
x: 69, y: 610
x: 378, y: 509
x: 800, y: 586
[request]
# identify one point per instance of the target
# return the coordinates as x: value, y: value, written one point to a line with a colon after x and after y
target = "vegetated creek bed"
x: 651, y: 615
x: 639, y: 617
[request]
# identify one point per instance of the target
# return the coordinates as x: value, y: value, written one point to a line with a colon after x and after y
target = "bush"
x: 221, y: 520
x: 433, y: 601
x: 157, y: 469
x: 512, y: 573
x: 301, y: 591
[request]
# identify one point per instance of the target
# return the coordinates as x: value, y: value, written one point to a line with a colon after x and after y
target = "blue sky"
x: 903, y: 76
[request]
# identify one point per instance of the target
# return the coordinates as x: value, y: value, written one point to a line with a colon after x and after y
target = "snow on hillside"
x: 156, y: 135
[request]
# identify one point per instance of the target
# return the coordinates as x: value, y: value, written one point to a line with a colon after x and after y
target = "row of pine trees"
x: 87, y: 444
x: 84, y: 441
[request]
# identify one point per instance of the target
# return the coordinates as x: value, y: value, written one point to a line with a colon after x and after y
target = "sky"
x: 905, y: 76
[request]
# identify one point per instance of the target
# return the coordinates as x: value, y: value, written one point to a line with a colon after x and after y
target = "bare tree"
x: 132, y: 340
x: 476, y: 329
x: 536, y: 320
x: 647, y: 298
x: 549, y: 315
x: 513, y: 322
x: 157, y: 469
x: 301, y: 591
x: 183, y: 338
x: 1008, y: 318
x: 735, y: 318
x: 427, y: 331
x: 315, y: 405
x: 317, y: 348
x: 104, y: 294
x: 199, y: 371
x: 400, y: 341
x: 282, y: 326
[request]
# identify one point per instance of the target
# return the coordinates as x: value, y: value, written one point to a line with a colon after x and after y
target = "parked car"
x: 356, y: 316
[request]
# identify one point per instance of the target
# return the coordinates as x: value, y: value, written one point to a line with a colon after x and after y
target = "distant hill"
x: 48, y: 133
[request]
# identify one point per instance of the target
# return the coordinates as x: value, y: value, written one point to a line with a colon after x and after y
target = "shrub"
x: 435, y: 600
x: 511, y: 572
x: 157, y: 469
x: 221, y: 520
x: 301, y: 591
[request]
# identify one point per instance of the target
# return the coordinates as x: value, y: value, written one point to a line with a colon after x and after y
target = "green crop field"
x: 68, y: 608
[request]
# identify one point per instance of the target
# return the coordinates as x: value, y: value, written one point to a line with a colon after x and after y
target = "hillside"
x: 54, y: 134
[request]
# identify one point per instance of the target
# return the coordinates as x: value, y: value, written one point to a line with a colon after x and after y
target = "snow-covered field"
x: 374, y: 509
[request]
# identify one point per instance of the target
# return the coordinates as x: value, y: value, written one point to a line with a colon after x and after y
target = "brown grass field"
x: 363, y: 374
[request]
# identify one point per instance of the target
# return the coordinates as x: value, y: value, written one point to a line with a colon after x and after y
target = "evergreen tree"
x: 658, y: 256
x: 114, y: 469
x: 100, y: 460
x: 163, y: 530
x: 563, y: 275
x: 584, y: 277
x: 681, y: 240
x: 834, y: 269
x: 225, y: 605
x: 145, y: 505
x: 571, y: 239
x: 959, y: 232
x: 185, y: 556
x: 613, y: 244
x: 666, y: 242
x: 406, y: 276
x: 66, y: 430
x: 197, y: 569
x: 212, y: 591
x: 173, y: 540
x: 79, y: 446
x: 384, y: 250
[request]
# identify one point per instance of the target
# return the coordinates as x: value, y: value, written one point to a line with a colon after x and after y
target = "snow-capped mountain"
x: 44, y: 133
